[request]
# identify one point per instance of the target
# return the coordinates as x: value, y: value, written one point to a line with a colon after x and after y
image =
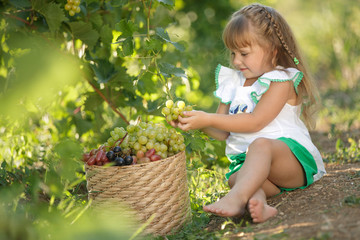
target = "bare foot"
x: 260, y: 211
x: 228, y: 206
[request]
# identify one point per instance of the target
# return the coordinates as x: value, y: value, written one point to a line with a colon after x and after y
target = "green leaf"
x: 168, y: 69
x: 54, y: 16
x: 52, y: 12
x: 127, y: 28
x: 128, y: 46
x: 153, y: 44
x: 106, y: 34
x: 93, y: 100
x: 165, y: 36
x: 20, y: 3
x: 178, y: 46
x: 153, y: 106
x: 197, y: 144
x: 118, y: 3
x: 70, y: 154
x: 166, y: 3
x: 96, y: 20
x: 82, y: 125
x: 39, y: 5
x: 85, y: 33
x: 68, y: 149
x: 146, y: 84
x: 103, y: 70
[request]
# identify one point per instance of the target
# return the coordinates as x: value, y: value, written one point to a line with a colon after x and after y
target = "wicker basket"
x: 158, y: 188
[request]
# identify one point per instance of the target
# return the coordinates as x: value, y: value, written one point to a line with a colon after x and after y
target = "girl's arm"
x: 269, y: 106
x: 215, y: 132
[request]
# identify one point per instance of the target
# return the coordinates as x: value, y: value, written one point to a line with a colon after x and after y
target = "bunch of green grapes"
x: 116, y: 137
x: 146, y: 136
x: 172, y: 110
x: 141, y: 143
x: 73, y: 7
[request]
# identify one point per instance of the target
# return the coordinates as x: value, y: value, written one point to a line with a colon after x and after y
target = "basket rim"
x: 135, y: 165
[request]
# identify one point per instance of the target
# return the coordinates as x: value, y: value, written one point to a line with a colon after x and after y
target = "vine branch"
x: 108, y: 102
x: 19, y: 19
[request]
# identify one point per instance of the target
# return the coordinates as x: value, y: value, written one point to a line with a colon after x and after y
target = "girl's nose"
x: 237, y: 60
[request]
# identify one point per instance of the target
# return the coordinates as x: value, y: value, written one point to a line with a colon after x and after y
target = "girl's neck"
x: 250, y: 81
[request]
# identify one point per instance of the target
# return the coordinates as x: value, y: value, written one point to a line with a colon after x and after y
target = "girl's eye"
x: 232, y: 54
x: 244, y: 54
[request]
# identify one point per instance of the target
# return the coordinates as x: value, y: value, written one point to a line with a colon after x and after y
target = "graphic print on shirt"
x: 241, y: 107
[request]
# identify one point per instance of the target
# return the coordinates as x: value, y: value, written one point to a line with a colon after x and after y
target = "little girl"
x: 262, y: 98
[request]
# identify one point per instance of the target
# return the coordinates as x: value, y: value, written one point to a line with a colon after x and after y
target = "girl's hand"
x: 193, y: 120
x: 174, y: 124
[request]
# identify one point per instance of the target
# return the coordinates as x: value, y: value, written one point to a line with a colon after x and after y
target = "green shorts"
x: 301, y: 153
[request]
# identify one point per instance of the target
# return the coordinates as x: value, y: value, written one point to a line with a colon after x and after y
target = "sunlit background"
x: 67, y: 81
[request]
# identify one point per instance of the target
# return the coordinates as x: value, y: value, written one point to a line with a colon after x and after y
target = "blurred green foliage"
x: 67, y: 81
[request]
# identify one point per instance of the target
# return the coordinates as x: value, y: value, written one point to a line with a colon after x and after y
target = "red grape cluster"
x: 115, y: 155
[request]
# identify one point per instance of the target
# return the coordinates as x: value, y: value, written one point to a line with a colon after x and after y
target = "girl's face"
x: 252, y: 61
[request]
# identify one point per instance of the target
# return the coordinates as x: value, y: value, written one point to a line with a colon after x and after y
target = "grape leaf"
x: 154, y: 106
x: 178, y: 46
x: 146, y: 84
x: 106, y: 34
x: 197, y: 144
x: 84, y: 32
x: 20, y: 3
x: 167, y: 3
x: 39, y: 5
x: 82, y: 125
x: 128, y: 46
x: 118, y: 3
x: 162, y: 33
x: 96, y: 20
x: 54, y: 16
x: 52, y: 12
x: 168, y: 69
x: 153, y: 44
x: 127, y: 28
x: 103, y: 70
x: 92, y: 101
x: 165, y: 36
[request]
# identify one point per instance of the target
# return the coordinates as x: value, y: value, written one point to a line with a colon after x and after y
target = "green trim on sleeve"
x: 254, y: 96
x: 226, y: 103
x: 296, y: 79
x: 217, y: 72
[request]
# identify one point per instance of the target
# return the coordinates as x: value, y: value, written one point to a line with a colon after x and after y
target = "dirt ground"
x: 328, y: 209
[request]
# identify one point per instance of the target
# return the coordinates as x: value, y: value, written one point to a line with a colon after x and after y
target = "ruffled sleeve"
x: 281, y: 75
x: 227, y: 80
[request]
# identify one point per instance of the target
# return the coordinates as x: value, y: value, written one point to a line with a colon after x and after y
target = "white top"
x: 231, y: 90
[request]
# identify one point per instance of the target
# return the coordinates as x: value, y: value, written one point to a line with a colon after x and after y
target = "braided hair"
x: 263, y: 25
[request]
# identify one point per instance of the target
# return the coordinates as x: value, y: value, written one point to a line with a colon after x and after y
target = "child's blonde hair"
x: 264, y: 26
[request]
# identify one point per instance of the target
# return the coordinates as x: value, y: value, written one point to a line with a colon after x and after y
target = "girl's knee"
x: 261, y: 143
